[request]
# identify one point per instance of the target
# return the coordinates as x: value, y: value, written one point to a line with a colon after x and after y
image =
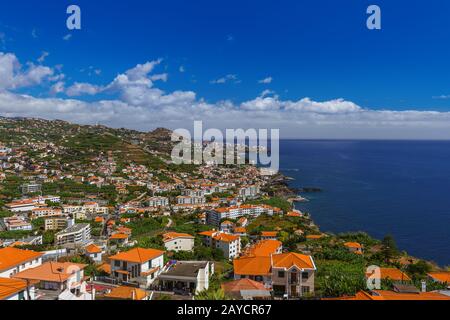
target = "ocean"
x: 379, y: 187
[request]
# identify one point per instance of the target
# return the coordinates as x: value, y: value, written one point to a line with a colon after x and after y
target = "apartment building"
x: 58, y: 223
x: 78, y: 234
x: 17, y: 223
x: 191, y: 200
x: 45, y: 212
x: 158, y: 202
x: 214, y: 217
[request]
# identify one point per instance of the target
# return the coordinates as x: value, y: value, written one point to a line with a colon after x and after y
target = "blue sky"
x: 319, y: 50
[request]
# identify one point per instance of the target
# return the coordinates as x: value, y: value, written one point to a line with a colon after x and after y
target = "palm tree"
x: 217, y: 294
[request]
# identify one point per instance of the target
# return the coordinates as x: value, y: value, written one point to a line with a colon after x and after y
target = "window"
x: 305, y: 290
x: 22, y: 295
x: 305, y: 276
x: 280, y: 274
x: 117, y: 263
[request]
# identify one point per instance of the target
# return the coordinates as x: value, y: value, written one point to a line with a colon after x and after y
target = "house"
x: 126, y: 293
x: 269, y: 235
x: 243, y: 222
x: 293, y: 274
x: 226, y: 226
x: 57, y: 281
x: 13, y: 260
x: 174, y: 241
x: 246, y: 289
x: 78, y: 234
x: 287, y: 274
x: 228, y: 243
x: 240, y: 231
x: 119, y: 238
x: 391, y: 274
x: 354, y: 247
x: 265, y: 248
x: 440, y: 277
x: 15, y: 289
x: 187, y: 277
x: 94, y: 253
x: 138, y: 265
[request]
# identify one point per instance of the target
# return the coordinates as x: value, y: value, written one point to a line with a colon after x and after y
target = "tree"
x: 419, y: 269
x: 389, y: 248
x: 215, y: 294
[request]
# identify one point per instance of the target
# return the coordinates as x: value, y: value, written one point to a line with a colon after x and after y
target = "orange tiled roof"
x: 209, y: 233
x: 314, y: 236
x: 174, y: 235
x: 256, y: 266
x: 127, y: 293
x: 243, y: 284
x: 240, y: 230
x: 9, y: 287
x: 92, y: 248
x: 225, y: 237
x: 392, y: 295
x: 118, y: 236
x: 393, y: 274
x: 355, y: 245
x: 51, y: 271
x: 269, y: 233
x: 443, y: 277
x: 288, y: 260
x: 11, y: 257
x: 294, y: 214
x: 106, y: 267
x: 137, y: 255
x: 264, y: 248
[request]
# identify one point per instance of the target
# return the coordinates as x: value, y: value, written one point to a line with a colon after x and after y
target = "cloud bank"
x: 136, y: 102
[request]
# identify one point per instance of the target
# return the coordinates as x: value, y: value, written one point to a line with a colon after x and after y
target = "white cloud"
x: 141, y: 105
x: 67, y: 37
x: 228, y: 78
x: 57, y: 88
x: 267, y: 80
x: 44, y: 55
x: 182, y: 69
x: 13, y: 76
x: 79, y: 89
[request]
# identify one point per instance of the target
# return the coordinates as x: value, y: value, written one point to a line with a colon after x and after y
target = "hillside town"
x: 94, y: 213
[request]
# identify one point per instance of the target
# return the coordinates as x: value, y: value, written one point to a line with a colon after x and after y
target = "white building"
x: 66, y: 279
x: 229, y: 244
x: 79, y: 234
x: 16, y: 289
x: 187, y: 276
x: 137, y: 265
x: 94, y: 253
x: 191, y: 200
x: 216, y: 216
x: 158, y: 202
x: 17, y: 223
x: 174, y: 241
x: 14, y: 260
